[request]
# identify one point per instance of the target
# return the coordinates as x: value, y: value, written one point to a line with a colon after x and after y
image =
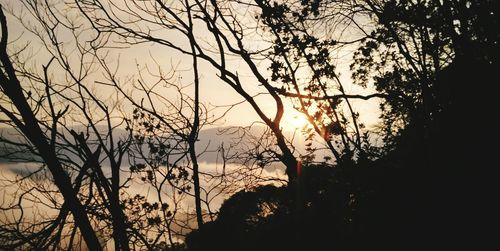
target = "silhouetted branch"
x: 332, y: 97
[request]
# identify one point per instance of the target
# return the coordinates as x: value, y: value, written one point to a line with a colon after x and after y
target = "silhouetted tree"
x: 21, y: 114
x: 426, y: 60
x: 228, y: 34
x: 265, y: 218
x: 432, y: 64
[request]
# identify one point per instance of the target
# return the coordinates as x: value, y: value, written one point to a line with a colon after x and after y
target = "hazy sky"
x: 213, y: 91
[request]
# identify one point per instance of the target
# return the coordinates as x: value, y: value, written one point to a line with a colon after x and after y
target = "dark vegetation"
x: 430, y: 185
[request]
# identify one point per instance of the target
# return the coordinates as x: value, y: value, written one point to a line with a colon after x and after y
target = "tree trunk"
x: 193, y: 136
x: 196, y: 181
x: 119, y: 229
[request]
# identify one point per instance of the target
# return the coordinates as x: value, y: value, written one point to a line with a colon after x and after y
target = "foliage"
x: 321, y: 210
x: 408, y: 53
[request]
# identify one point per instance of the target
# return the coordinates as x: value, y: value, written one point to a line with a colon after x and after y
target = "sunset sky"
x: 213, y: 92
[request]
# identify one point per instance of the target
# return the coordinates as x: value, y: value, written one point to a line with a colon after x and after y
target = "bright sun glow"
x: 297, y: 122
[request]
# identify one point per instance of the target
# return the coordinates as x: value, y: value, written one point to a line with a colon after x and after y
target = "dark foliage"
x: 327, y: 207
x: 441, y: 180
x: 434, y: 186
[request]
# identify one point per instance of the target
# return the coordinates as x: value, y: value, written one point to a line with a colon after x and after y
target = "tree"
x: 23, y: 117
x: 88, y: 136
x: 227, y: 34
x: 421, y: 58
x: 441, y: 76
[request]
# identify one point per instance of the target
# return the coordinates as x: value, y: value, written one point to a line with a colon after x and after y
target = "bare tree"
x: 226, y: 34
x: 84, y: 128
x: 23, y: 117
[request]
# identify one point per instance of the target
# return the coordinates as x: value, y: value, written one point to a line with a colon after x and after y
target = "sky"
x: 213, y: 92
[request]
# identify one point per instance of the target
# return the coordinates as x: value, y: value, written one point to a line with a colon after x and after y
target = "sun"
x: 297, y: 122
